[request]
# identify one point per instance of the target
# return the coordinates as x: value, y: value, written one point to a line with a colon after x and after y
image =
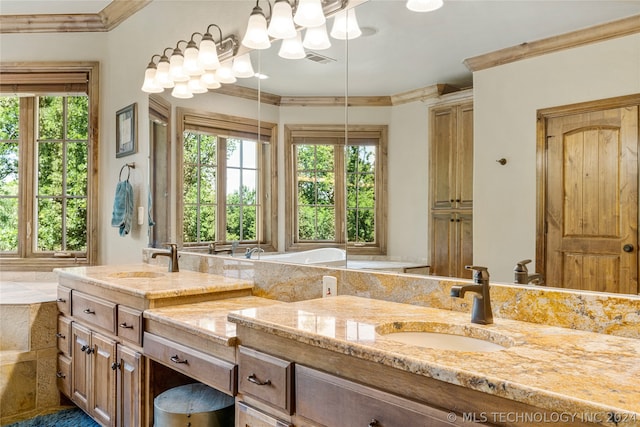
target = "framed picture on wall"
x: 126, y: 130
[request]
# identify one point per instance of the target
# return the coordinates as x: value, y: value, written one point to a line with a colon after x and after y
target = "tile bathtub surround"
x: 603, y: 313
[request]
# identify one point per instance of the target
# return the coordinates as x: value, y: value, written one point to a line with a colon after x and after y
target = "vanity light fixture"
x: 181, y: 90
x: 292, y: 48
x: 192, y: 65
x: 316, y: 38
x: 424, y: 5
x: 242, y: 66
x: 309, y: 13
x: 176, y: 65
x: 345, y: 25
x: 208, y: 53
x: 209, y: 81
x: 162, y: 73
x: 150, y: 85
x: 224, y: 74
x: 281, y: 25
x: 256, y: 36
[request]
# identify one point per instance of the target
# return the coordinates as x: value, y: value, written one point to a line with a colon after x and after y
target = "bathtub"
x: 321, y: 257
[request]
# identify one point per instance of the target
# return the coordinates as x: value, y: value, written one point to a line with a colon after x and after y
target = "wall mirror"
x: 383, y: 63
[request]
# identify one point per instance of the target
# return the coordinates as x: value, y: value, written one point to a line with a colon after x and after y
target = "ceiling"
x: 401, y: 50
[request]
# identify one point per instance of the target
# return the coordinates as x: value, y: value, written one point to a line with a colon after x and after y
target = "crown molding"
x: 597, y: 33
x: 106, y: 20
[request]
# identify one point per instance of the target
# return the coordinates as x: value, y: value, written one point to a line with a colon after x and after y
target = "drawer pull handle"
x: 176, y: 359
x: 253, y: 379
x: 114, y: 366
x: 374, y: 423
x: 60, y: 375
x: 59, y: 335
x: 125, y: 326
x: 89, y: 311
x: 90, y: 350
x: 61, y: 300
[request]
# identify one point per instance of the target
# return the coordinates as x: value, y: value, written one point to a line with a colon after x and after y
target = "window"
x: 333, y: 186
x: 47, y: 148
x: 227, y: 193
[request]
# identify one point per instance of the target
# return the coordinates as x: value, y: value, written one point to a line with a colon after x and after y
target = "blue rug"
x: 66, y: 418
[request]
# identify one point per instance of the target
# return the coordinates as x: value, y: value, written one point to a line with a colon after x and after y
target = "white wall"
x: 506, y: 100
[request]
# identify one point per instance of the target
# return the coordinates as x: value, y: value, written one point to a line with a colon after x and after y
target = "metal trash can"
x: 193, y: 405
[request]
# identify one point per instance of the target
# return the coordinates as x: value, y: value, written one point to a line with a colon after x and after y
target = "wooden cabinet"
x: 331, y: 401
x: 97, y: 368
x: 93, y: 381
x: 248, y: 416
x: 451, y: 189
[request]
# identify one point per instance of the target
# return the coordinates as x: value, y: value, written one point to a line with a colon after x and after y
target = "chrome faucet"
x: 481, y: 310
x: 251, y: 251
x: 522, y: 276
x: 172, y: 254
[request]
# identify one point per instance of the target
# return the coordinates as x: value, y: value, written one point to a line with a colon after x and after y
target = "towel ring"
x: 126, y: 165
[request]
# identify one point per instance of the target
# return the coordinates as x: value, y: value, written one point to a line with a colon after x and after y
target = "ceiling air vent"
x: 320, y: 59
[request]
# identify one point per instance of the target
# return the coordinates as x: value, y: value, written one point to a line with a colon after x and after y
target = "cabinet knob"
x: 88, y: 311
x: 60, y: 375
x: 90, y: 350
x: 61, y: 300
x: 114, y: 366
x: 125, y: 326
x: 84, y: 348
x: 374, y: 423
x: 59, y: 335
x: 176, y: 359
x: 253, y: 379
x: 627, y: 248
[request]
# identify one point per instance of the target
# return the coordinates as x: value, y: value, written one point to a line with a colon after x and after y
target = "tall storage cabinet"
x: 451, y: 189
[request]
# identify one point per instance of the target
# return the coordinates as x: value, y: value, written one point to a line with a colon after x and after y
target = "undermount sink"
x: 444, y: 336
x: 136, y: 275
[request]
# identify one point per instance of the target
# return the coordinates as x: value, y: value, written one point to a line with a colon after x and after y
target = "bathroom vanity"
x: 101, y: 365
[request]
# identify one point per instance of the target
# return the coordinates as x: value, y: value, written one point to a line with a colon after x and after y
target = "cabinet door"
x: 247, y: 416
x: 442, y: 154
x: 130, y: 380
x: 464, y: 244
x: 463, y: 162
x: 451, y: 244
x: 80, y: 363
x: 103, y: 379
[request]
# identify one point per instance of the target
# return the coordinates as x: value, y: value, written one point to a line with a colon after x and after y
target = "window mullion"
x: 340, y: 193
x: 221, y: 189
x: 27, y: 168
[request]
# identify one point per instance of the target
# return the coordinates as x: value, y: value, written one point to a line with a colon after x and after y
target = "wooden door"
x: 592, y: 201
x: 103, y: 379
x: 130, y: 380
x: 80, y: 366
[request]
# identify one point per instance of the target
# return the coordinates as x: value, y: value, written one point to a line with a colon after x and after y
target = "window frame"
x: 337, y: 135
x: 45, y: 78
x: 234, y: 126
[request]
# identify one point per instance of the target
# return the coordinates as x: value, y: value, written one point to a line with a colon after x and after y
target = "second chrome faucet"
x: 481, y: 310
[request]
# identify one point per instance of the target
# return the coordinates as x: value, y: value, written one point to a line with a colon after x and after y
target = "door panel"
x: 592, y: 201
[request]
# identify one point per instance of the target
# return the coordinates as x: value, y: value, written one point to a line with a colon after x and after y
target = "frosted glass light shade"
x: 281, y: 25
x: 208, y: 54
x: 195, y: 85
x: 424, y: 5
x: 242, y: 66
x: 256, y: 36
x: 181, y: 90
x: 292, y: 48
x: 150, y: 85
x: 345, y: 25
x: 309, y: 13
x: 224, y: 74
x: 208, y: 79
x: 191, y: 63
x: 162, y: 74
x: 176, y: 68
x: 316, y: 38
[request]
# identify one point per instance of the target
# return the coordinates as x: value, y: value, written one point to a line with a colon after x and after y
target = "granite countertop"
x: 563, y: 370
x: 152, y: 281
x: 207, y: 320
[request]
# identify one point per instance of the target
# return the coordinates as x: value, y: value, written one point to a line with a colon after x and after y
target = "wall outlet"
x: 329, y: 286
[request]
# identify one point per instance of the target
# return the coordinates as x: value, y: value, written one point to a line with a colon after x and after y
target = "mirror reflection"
x: 427, y: 199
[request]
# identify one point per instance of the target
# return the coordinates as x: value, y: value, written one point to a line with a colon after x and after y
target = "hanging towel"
x: 123, y: 208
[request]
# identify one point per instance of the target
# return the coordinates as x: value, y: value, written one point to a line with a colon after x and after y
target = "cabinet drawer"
x: 64, y: 335
x: 64, y: 300
x: 252, y: 417
x: 332, y: 401
x: 130, y: 324
x: 212, y: 371
x: 64, y: 375
x: 266, y: 378
x: 94, y: 311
